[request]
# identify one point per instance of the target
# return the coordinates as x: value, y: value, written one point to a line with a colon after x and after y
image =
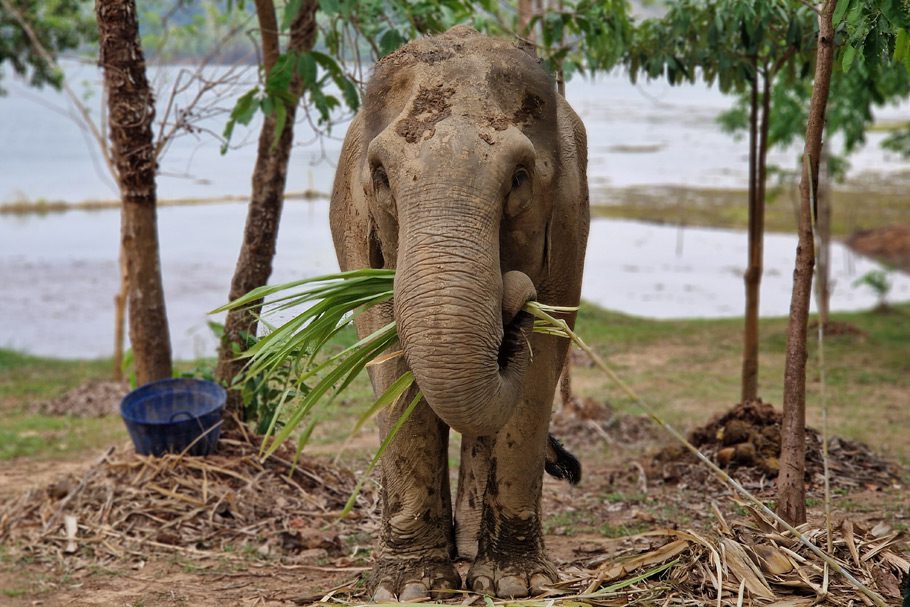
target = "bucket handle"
x: 187, y: 413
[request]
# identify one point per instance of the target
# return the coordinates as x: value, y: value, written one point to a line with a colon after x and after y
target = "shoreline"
x: 856, y: 207
x: 62, y: 206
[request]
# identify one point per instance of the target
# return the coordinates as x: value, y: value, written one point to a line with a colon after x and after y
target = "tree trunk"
x: 132, y: 110
x: 254, y: 265
x: 823, y: 229
x: 791, y: 489
x: 525, y: 13
x: 752, y: 276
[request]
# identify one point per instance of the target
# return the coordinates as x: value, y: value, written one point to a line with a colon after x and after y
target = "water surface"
x: 60, y: 272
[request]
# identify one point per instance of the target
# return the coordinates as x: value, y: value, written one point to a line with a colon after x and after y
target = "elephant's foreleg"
x: 417, y: 543
x: 511, y: 561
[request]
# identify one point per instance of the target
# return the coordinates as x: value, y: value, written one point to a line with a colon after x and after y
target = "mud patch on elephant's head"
x: 498, y: 121
x: 430, y: 106
x: 531, y: 109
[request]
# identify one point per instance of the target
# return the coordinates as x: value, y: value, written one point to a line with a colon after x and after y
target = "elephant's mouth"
x: 516, y: 336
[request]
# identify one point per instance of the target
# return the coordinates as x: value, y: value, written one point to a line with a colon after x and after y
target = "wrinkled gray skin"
x: 465, y: 171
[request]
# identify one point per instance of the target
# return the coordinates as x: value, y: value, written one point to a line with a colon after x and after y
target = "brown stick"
x: 120, y: 317
x: 791, y: 489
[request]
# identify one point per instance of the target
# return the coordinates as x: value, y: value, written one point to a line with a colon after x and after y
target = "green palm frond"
x: 330, y: 303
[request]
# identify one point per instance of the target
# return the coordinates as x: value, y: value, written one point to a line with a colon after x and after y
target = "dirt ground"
x: 626, y: 491
x: 586, y: 526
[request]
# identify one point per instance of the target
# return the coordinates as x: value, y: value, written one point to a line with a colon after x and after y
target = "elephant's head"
x: 459, y: 170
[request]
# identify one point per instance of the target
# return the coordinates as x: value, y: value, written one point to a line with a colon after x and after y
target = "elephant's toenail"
x: 482, y: 585
x: 383, y: 595
x: 512, y: 586
x: 413, y: 591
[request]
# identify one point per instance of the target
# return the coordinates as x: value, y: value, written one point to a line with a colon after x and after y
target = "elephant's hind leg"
x: 417, y: 539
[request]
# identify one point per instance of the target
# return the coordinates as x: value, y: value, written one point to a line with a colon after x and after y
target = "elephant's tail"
x: 560, y: 463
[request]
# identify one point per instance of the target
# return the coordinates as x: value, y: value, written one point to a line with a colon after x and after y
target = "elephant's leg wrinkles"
x: 473, y: 476
x: 511, y: 560
x: 416, y: 548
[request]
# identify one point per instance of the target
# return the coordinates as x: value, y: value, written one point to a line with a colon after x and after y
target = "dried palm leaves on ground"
x: 744, y: 562
x: 747, y: 438
x: 127, y: 504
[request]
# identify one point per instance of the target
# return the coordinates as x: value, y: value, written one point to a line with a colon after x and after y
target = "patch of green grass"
x: 29, y: 435
x: 25, y: 378
x: 13, y: 593
x: 28, y: 379
x: 565, y: 523
x: 861, y: 206
x: 619, y: 497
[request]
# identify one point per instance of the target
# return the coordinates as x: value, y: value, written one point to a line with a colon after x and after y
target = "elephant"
x: 465, y: 171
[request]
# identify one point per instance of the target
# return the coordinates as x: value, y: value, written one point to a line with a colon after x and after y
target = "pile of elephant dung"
x: 747, y: 438
x: 131, y: 505
x: 94, y: 398
x: 749, y: 562
x: 837, y: 328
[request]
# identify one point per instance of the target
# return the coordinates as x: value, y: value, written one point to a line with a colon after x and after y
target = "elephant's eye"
x: 519, y: 178
x: 519, y: 198
x: 382, y: 193
x: 380, y: 179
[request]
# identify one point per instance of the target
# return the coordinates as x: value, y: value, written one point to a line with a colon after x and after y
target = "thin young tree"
x: 131, y: 112
x: 746, y: 47
x: 260, y: 235
x: 891, y: 42
x: 791, y: 492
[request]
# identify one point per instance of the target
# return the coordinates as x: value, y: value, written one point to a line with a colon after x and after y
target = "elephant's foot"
x: 512, y: 578
x: 511, y: 561
x: 412, y: 578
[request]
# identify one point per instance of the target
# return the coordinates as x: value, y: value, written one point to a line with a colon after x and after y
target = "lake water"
x: 60, y: 271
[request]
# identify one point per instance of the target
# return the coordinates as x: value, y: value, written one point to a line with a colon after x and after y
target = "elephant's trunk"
x: 449, y: 294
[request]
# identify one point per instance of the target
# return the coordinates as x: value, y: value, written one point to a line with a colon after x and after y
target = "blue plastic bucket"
x: 166, y: 416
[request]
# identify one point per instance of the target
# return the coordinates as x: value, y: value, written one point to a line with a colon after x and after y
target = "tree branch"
x: 84, y: 113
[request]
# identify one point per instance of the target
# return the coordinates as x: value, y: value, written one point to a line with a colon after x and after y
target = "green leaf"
x: 330, y: 7
x: 392, y: 393
x: 350, y: 92
x: 243, y: 112
x: 306, y: 69
x: 847, y: 59
x: 389, y: 41
x: 290, y: 11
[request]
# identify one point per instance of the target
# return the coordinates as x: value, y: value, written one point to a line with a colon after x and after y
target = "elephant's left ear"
x: 548, y: 242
